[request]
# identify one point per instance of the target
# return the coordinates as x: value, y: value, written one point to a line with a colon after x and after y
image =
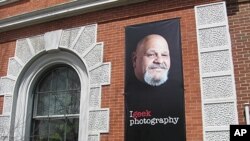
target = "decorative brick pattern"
x: 217, y: 136
x: 85, y: 47
x: 99, y: 121
x: 7, y: 105
x: 94, y: 137
x: 219, y: 111
x: 217, y: 87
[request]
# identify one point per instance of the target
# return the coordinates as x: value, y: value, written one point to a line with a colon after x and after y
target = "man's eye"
x: 164, y: 55
x: 150, y: 55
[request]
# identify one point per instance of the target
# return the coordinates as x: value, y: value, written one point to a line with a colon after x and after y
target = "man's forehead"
x: 157, y: 47
x: 152, y: 41
x: 161, y: 50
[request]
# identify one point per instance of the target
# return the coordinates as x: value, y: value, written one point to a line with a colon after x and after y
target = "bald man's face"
x: 152, y: 61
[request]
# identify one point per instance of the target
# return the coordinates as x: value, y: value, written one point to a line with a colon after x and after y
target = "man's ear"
x: 133, y: 58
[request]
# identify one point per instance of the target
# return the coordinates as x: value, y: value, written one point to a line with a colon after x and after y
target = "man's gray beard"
x: 148, y: 78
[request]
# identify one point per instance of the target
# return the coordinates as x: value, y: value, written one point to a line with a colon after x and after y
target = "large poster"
x: 154, y: 91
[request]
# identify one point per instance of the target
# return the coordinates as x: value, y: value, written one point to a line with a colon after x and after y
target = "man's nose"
x: 158, y: 59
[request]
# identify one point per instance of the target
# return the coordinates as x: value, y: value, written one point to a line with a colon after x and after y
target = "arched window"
x: 51, y: 100
x: 58, y: 62
x: 56, y: 106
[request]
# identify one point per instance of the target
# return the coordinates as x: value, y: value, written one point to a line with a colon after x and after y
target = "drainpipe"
x: 247, y: 113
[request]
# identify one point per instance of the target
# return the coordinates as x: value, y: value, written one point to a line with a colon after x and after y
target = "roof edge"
x: 59, y: 12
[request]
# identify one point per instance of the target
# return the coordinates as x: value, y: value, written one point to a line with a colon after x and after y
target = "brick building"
x: 86, y: 39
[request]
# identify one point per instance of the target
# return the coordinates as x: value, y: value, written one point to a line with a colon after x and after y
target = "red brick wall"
x: 7, y: 50
x: 1, y: 104
x: 239, y: 23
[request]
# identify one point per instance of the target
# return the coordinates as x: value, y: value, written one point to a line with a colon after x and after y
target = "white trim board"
x: 58, y: 12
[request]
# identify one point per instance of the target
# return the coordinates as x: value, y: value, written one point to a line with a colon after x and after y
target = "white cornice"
x: 3, y: 2
x: 58, y: 12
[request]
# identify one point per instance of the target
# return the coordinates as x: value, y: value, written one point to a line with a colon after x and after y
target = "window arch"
x: 56, y: 105
x: 34, y: 56
x: 32, y: 81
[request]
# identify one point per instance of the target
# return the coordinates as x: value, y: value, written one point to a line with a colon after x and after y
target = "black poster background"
x: 160, y: 109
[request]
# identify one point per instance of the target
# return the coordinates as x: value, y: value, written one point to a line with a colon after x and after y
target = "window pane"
x: 45, y: 84
x: 73, y: 80
x: 63, y: 103
x: 43, y: 104
x: 40, y: 130
x: 57, y: 130
x: 57, y: 104
x: 72, y: 128
x: 73, y: 102
x: 59, y: 81
x: 56, y: 101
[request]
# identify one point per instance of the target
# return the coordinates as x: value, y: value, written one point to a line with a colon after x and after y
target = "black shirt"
x: 155, y: 113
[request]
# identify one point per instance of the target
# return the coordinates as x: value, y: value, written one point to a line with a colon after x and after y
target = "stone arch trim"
x: 80, y: 42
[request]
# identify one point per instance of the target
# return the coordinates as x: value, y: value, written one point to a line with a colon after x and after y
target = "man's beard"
x: 149, y: 78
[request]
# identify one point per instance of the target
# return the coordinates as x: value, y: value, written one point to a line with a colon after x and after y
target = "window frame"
x: 23, y: 92
x: 36, y: 92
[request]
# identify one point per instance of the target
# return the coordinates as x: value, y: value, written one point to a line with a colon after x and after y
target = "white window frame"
x: 35, y: 100
x: 22, y: 105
